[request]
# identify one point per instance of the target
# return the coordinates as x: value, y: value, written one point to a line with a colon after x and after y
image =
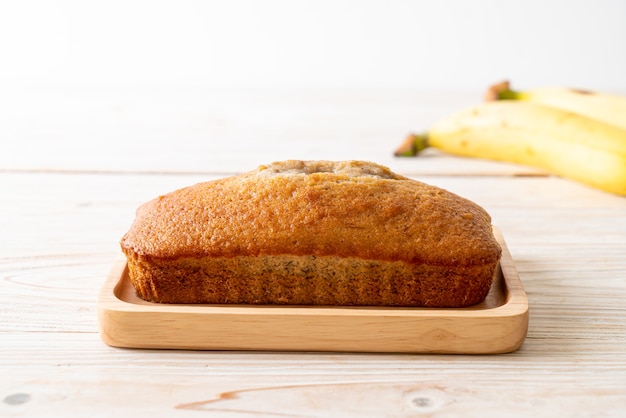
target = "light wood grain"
x: 69, y: 186
x: 221, y: 131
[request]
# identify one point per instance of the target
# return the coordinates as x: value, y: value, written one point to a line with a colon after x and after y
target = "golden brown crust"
x: 352, y: 210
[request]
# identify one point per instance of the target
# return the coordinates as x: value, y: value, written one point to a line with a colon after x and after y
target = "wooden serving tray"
x: 497, y: 325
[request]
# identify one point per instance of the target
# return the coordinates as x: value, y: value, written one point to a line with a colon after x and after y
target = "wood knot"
x: 16, y: 399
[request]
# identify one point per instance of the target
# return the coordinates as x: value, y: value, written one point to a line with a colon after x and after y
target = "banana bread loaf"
x: 312, y: 233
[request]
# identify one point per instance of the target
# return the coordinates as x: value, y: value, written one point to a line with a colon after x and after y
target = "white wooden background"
x: 75, y: 163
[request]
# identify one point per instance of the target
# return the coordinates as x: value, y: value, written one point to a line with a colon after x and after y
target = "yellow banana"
x: 561, y: 142
x: 609, y: 108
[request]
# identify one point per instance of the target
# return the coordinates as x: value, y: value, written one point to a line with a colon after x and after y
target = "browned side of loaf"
x: 309, y: 280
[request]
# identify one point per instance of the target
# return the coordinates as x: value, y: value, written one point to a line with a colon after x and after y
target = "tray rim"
x: 112, y: 309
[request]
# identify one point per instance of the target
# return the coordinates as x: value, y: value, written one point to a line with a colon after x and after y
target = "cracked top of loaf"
x: 320, y: 208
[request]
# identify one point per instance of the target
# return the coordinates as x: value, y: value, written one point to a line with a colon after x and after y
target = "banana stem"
x: 412, y: 145
x: 501, y: 91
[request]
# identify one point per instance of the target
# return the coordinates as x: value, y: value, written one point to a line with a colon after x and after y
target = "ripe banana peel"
x: 563, y: 143
x: 609, y: 108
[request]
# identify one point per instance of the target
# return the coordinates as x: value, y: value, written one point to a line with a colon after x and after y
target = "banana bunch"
x: 605, y: 107
x: 570, y: 133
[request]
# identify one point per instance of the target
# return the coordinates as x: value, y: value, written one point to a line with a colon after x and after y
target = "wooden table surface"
x: 75, y: 164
